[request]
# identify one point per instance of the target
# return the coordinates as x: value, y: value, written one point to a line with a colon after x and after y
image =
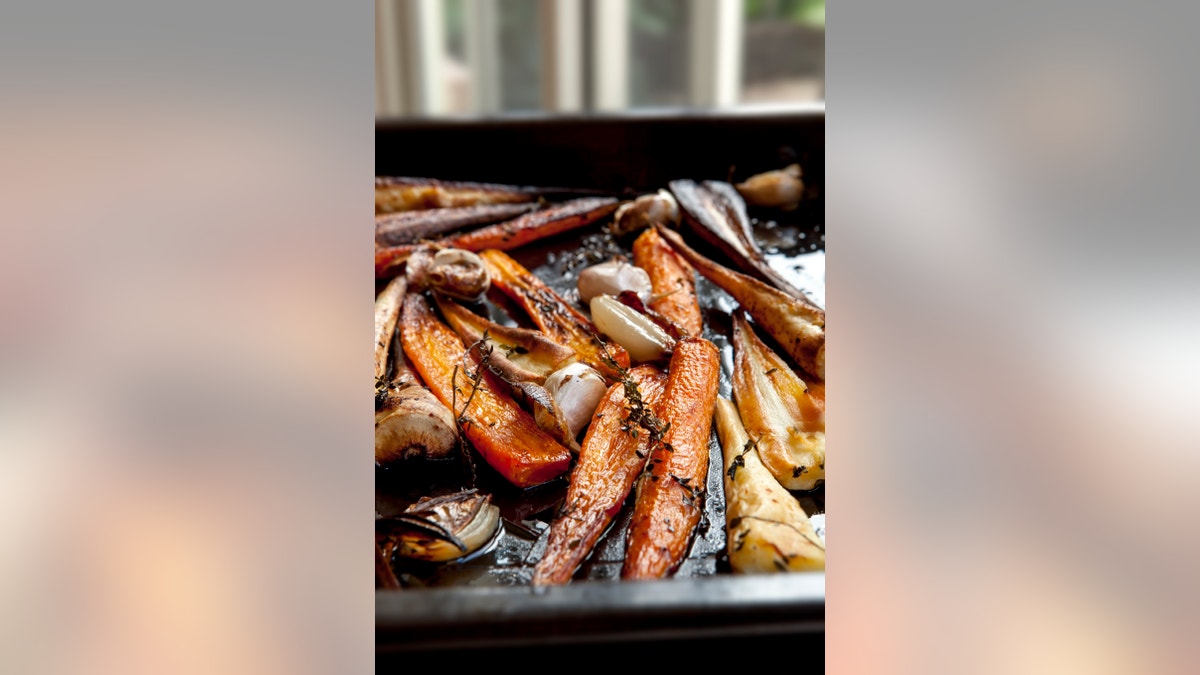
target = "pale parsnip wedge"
x: 768, y: 530
x: 779, y: 410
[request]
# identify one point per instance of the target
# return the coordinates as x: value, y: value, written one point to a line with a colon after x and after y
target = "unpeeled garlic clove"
x: 577, y: 389
x: 783, y: 188
x: 453, y: 271
x: 459, y: 274
x: 610, y: 278
x: 645, y: 211
x: 639, y: 335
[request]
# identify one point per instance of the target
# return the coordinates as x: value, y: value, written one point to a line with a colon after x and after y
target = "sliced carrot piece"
x: 506, y: 436
x: 670, y: 494
x: 613, y: 454
x: 672, y: 280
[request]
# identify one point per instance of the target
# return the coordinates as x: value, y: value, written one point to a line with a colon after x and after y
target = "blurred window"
x: 495, y: 56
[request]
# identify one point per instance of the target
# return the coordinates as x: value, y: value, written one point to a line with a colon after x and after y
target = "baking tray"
x: 485, y: 603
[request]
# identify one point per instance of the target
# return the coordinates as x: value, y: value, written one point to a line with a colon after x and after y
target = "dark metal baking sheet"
x: 486, y: 603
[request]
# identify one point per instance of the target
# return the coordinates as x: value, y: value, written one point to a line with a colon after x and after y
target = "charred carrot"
x: 507, y: 235
x: 552, y: 315
x: 672, y: 280
x: 506, y: 436
x: 670, y: 494
x: 537, y: 225
x: 613, y: 454
x: 407, y: 227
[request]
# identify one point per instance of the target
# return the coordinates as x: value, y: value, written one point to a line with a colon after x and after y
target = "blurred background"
x: 487, y: 57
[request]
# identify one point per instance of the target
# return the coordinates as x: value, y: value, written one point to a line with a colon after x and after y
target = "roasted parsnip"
x: 552, y: 315
x: 613, y: 454
x: 409, y: 421
x: 670, y: 494
x: 518, y: 354
x: 768, y: 530
x: 716, y: 212
x: 797, y: 326
x: 778, y: 410
x: 506, y: 436
x: 672, y: 282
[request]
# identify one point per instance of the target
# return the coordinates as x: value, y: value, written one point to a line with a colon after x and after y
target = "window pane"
x: 455, y: 69
x: 658, y: 64
x: 784, y: 57
x: 520, y: 54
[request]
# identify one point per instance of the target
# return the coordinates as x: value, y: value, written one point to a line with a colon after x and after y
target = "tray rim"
x: 601, y: 610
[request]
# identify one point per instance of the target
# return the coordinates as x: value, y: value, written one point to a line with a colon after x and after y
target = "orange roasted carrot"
x: 552, y: 315
x: 670, y: 494
x: 672, y: 280
x: 506, y: 436
x: 613, y: 454
x: 407, y: 194
x: 507, y: 235
x: 532, y: 226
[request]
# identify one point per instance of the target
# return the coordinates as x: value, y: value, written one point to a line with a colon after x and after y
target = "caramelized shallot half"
x: 444, y: 528
x: 611, y: 278
x: 452, y: 271
x: 410, y: 422
x: 645, y: 211
x: 636, y: 332
x: 782, y: 189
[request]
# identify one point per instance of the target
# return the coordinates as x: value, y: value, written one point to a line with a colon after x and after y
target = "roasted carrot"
x: 407, y: 194
x: 407, y: 227
x: 670, y: 494
x: 797, y: 326
x: 613, y: 454
x: 558, y: 320
x: 506, y: 436
x: 510, y: 234
x: 672, y: 280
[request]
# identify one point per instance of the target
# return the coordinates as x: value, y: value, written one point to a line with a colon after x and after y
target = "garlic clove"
x: 577, y: 389
x: 783, y: 188
x: 610, y: 278
x: 640, y: 336
x: 645, y: 211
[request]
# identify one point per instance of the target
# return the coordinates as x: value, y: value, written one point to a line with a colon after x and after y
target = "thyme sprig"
x: 641, y: 416
x: 474, y: 378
